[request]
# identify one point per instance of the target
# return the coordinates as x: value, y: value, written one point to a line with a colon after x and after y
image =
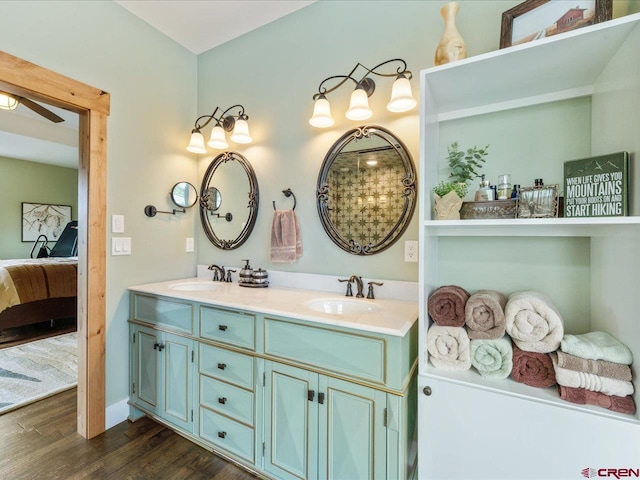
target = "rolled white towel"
x: 448, y: 347
x: 533, y: 322
x: 590, y: 381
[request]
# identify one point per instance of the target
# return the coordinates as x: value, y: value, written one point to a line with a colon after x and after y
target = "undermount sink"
x: 193, y: 286
x: 342, y: 306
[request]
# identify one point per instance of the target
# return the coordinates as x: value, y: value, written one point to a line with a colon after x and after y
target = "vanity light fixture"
x: 225, y: 122
x: 401, y: 97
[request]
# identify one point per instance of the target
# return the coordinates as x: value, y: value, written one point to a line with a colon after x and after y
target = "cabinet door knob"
x: 222, y: 366
x: 222, y: 400
x: 222, y: 434
x: 427, y: 391
x: 222, y: 327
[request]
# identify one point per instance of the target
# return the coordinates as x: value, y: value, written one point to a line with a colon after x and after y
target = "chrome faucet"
x: 218, y: 273
x: 358, y: 280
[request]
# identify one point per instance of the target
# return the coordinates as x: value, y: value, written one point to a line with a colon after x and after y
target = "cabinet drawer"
x: 358, y: 356
x: 229, y: 366
x: 229, y: 327
x: 227, y: 434
x: 172, y: 314
x: 224, y: 398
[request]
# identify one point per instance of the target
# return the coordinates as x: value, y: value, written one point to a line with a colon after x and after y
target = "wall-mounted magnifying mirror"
x: 229, y: 177
x: 213, y: 199
x: 184, y: 194
x: 366, y: 190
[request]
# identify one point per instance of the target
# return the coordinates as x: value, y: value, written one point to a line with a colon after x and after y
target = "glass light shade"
x: 241, y: 132
x: 7, y: 102
x: 196, y: 145
x: 321, y: 113
x: 218, y: 139
x: 401, y: 97
x: 359, y: 106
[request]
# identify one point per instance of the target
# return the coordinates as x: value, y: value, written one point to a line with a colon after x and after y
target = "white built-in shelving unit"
x: 503, y: 429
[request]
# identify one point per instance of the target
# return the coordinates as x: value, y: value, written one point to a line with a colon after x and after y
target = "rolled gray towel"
x: 484, y: 315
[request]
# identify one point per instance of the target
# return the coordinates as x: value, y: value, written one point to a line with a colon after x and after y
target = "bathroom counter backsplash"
x: 388, y: 316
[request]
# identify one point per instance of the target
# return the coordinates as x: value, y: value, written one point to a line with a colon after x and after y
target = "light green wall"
x: 157, y: 88
x: 275, y: 70
x: 23, y: 181
x: 152, y: 82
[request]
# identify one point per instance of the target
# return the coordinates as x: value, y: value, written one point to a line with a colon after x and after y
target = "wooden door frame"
x: 27, y: 79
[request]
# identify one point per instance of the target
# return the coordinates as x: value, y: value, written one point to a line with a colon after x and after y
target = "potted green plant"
x: 464, y: 165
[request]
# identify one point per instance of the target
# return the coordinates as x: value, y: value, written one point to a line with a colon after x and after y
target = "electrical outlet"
x: 189, y: 244
x: 410, y: 251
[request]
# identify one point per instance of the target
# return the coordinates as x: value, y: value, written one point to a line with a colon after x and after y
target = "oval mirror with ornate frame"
x: 232, y: 179
x: 366, y: 190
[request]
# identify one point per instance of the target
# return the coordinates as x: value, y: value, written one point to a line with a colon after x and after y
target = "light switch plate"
x: 189, y: 244
x: 117, y: 223
x: 121, y: 246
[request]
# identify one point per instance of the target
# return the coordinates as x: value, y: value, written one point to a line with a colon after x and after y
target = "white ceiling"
x: 196, y: 25
x: 202, y: 25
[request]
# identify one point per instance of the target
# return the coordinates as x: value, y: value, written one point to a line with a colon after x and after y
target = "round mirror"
x: 231, y: 176
x: 184, y: 194
x: 213, y: 199
x: 366, y: 190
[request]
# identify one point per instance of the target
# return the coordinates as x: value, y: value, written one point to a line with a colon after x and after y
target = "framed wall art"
x: 44, y: 219
x: 538, y: 202
x: 535, y: 19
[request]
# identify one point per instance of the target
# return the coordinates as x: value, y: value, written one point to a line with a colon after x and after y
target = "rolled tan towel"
x: 596, y: 367
x: 448, y: 348
x: 583, y: 396
x: 484, y: 315
x: 532, y: 368
x: 446, y: 306
x: 533, y: 322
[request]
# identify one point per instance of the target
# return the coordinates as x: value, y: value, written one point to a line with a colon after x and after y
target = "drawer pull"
x: 222, y: 434
x: 310, y: 395
x: 222, y: 400
x: 321, y: 398
x: 222, y: 366
x: 222, y: 327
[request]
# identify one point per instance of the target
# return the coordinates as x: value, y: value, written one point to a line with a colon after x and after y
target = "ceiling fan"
x: 9, y: 101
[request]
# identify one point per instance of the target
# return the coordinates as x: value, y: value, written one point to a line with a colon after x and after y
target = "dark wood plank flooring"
x: 40, y: 441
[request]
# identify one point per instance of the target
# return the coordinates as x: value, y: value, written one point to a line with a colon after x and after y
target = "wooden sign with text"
x: 597, y: 186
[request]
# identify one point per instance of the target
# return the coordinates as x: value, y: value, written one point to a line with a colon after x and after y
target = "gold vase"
x: 451, y: 46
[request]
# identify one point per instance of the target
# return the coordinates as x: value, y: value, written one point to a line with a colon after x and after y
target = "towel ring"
x: 287, y: 193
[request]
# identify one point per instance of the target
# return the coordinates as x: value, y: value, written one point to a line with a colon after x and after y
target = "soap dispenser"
x: 246, y: 273
x: 485, y: 193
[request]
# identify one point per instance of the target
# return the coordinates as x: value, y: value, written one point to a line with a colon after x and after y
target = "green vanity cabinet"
x: 286, y: 398
x: 322, y: 427
x: 162, y: 372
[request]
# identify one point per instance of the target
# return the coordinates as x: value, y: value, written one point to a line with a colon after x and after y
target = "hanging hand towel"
x: 286, y: 241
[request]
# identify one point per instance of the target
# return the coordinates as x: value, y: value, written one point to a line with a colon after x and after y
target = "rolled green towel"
x: 492, y: 358
x: 597, y: 346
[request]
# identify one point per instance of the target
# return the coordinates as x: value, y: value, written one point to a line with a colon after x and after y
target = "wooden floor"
x: 39, y: 441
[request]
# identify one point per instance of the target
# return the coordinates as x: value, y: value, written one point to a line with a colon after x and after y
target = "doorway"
x: 23, y: 78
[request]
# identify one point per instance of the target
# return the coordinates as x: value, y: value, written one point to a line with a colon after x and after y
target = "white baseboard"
x: 116, y: 413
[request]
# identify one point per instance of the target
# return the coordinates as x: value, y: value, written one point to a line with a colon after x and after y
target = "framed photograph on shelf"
x: 44, y: 219
x: 597, y: 186
x: 538, y: 202
x: 535, y: 19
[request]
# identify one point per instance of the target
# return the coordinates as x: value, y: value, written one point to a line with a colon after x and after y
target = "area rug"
x: 36, y: 370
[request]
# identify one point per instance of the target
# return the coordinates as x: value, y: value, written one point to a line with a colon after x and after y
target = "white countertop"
x: 392, y: 317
